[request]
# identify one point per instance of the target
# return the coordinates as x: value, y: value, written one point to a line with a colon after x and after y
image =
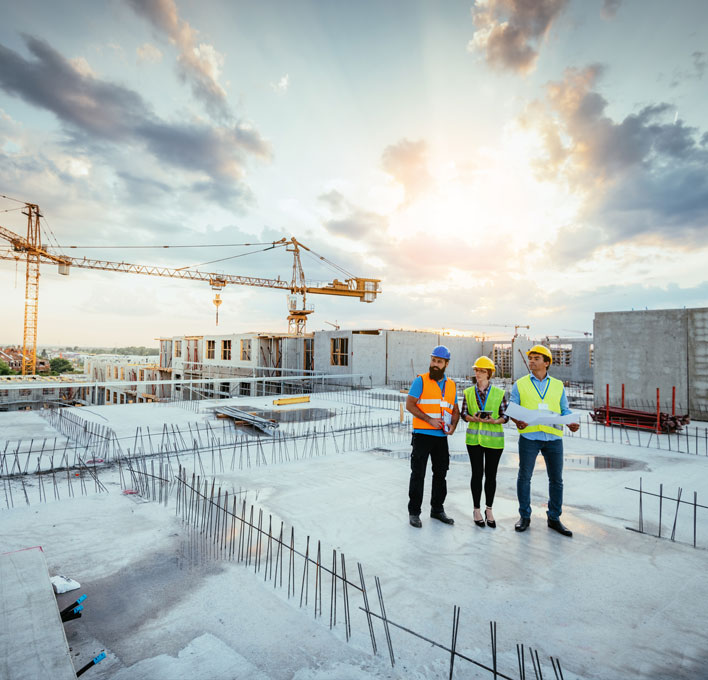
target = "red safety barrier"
x: 607, y: 404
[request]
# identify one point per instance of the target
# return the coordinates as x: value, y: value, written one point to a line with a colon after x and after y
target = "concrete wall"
x: 409, y: 355
x: 321, y: 350
x: 522, y: 344
x: 698, y: 363
x: 369, y: 356
x: 650, y: 349
x: 392, y: 357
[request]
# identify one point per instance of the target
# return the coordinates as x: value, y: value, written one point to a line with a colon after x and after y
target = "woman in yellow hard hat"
x: 482, y: 407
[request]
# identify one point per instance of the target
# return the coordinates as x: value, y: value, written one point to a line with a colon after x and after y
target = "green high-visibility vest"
x: 490, y: 435
x: 530, y: 398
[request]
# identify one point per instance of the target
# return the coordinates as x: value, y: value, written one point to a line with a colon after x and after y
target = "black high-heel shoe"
x: 490, y: 523
x: 479, y: 522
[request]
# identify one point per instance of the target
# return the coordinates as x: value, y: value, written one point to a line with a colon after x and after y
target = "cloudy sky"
x: 498, y: 162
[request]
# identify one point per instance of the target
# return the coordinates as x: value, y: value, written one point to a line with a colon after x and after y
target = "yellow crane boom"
x: 33, y: 252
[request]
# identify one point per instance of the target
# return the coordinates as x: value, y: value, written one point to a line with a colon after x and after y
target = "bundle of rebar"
x: 264, y: 425
x: 658, y: 421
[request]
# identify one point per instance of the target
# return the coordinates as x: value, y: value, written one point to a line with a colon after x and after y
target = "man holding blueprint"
x: 539, y: 407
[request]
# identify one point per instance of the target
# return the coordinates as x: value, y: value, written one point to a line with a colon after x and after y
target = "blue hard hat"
x: 441, y: 351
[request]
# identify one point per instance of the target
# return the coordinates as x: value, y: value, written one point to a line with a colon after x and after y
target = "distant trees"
x: 136, y: 351
x: 60, y: 365
x: 5, y: 369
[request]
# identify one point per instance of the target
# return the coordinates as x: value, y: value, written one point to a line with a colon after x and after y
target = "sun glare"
x: 493, y: 195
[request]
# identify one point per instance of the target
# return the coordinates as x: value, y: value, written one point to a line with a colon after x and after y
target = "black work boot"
x: 522, y: 524
x: 556, y: 525
x: 414, y: 521
x: 442, y: 517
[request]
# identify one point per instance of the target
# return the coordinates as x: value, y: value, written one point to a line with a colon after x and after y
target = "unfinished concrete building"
x: 129, y: 375
x: 217, y: 359
x: 395, y: 357
x: 209, y: 366
x: 649, y: 350
x: 19, y: 393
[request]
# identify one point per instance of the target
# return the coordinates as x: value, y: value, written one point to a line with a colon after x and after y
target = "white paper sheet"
x: 539, y: 417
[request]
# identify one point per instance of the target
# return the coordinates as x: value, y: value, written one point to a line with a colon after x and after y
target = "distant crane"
x: 507, y: 325
x: 334, y: 325
x: 587, y: 334
x: 30, y: 249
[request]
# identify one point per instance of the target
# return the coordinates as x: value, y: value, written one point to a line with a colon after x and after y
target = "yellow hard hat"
x: 484, y: 362
x: 540, y: 349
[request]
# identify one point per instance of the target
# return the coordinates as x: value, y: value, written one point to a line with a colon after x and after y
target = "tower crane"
x: 504, y: 325
x: 31, y: 249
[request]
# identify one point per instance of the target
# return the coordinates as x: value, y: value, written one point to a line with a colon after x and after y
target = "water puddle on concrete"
x: 574, y: 462
x: 147, y: 588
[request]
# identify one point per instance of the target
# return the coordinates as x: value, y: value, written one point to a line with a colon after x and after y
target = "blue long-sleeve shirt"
x: 540, y: 386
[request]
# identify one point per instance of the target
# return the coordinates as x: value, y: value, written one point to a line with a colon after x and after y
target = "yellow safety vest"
x: 490, y: 435
x: 530, y: 397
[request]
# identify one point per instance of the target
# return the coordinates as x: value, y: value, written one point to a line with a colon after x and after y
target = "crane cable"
x: 9, y: 198
x: 332, y: 265
x: 233, y: 257
x: 52, y: 237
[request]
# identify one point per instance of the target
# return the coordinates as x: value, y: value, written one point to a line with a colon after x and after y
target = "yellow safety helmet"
x: 540, y: 349
x: 485, y: 362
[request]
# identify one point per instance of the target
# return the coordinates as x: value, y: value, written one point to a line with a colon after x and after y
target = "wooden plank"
x: 32, y: 639
x: 291, y: 400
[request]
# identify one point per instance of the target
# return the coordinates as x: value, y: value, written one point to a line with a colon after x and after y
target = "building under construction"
x: 247, y: 364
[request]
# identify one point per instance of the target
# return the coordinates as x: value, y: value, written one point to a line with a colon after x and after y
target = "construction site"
x: 236, y: 506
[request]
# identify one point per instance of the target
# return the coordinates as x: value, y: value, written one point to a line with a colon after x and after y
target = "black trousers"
x: 484, y: 463
x: 424, y: 446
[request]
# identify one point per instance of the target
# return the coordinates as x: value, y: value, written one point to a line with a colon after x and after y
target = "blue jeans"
x: 553, y: 454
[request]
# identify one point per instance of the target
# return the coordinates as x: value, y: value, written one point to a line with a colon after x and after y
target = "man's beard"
x: 436, y: 373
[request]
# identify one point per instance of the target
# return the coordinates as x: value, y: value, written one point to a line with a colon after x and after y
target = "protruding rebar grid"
x: 556, y: 664
x: 522, y: 661
x: 453, y: 643
x: 538, y: 672
x: 385, y: 620
x: 493, y: 635
x: 641, y: 525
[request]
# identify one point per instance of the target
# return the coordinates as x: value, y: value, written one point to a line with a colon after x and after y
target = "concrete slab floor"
x: 608, y: 602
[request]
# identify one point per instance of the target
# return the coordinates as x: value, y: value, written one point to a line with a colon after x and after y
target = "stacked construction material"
x: 239, y: 416
x: 644, y: 420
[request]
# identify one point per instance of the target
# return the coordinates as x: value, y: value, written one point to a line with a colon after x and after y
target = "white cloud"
x: 510, y: 32
x: 199, y: 64
x: 282, y: 85
x: 148, y: 53
x: 83, y: 67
